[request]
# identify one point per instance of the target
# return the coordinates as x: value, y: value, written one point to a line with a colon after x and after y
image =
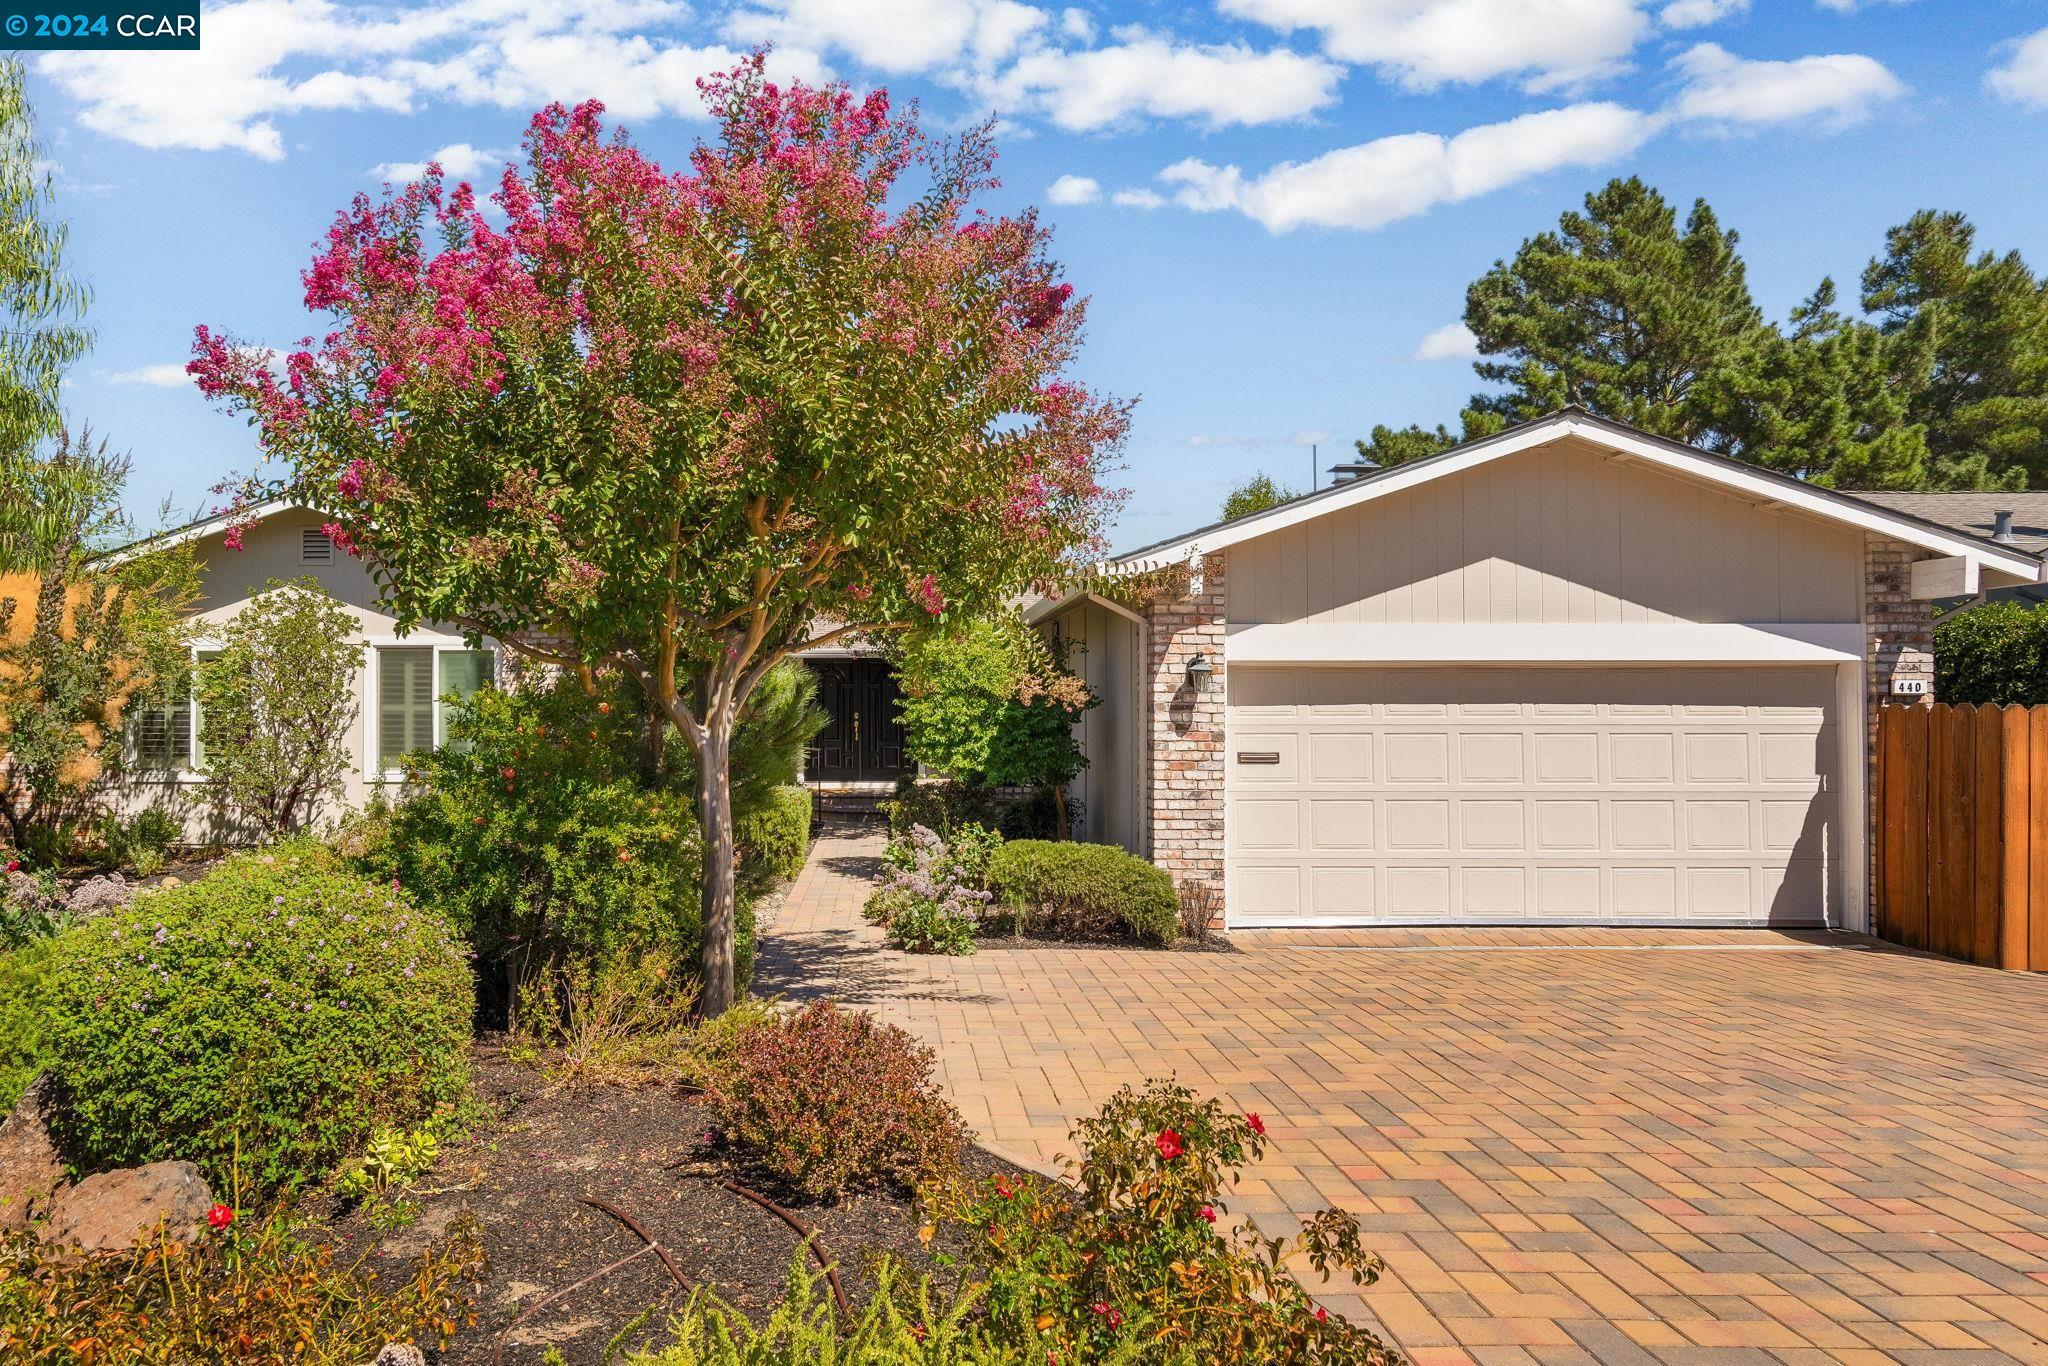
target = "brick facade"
x: 1185, y: 729
x: 1898, y: 643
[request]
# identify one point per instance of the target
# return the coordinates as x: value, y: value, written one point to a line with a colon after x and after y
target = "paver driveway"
x: 1572, y: 1147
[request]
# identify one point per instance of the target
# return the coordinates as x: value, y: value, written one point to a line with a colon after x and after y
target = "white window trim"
x: 373, y: 681
x: 187, y: 774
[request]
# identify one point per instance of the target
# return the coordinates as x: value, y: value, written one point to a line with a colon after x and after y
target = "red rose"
x: 1168, y: 1144
x: 219, y: 1217
x: 1209, y: 1213
x: 1258, y: 1125
x: 14, y: 865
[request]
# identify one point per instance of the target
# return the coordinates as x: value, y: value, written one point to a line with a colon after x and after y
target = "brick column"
x: 1184, y: 731
x: 1898, y: 642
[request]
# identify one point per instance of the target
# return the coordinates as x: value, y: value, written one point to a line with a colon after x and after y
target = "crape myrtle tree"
x: 683, y: 424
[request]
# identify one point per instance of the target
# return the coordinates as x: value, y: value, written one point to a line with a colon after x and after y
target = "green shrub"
x: 1083, y: 889
x: 1142, y: 1255
x: 945, y: 806
x: 550, y: 830
x: 271, y: 1015
x: 23, y: 973
x: 829, y: 1101
x: 142, y: 842
x: 993, y: 704
x: 264, y: 1293
x: 1993, y: 654
x: 774, y: 838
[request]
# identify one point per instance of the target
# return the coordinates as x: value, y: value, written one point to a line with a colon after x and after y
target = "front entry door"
x: 863, y: 740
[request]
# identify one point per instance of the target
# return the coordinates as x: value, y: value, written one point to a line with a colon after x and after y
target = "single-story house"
x: 2014, y: 519
x: 1572, y: 673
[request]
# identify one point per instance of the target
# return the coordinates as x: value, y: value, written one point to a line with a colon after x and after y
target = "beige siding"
x: 1103, y: 650
x: 1557, y: 534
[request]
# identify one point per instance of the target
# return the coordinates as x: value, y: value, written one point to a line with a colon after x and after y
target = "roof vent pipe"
x: 2001, y: 528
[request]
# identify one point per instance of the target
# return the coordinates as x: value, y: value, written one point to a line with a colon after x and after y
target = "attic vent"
x: 314, y: 547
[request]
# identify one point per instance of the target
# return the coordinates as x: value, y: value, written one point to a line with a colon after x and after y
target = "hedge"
x: 775, y: 838
x: 1068, y: 888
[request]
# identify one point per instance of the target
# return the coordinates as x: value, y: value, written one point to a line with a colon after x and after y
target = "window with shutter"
x: 405, y: 703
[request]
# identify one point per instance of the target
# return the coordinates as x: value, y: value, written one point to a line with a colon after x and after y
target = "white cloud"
x: 1700, y: 13
x: 1074, y: 189
x: 2023, y: 78
x: 171, y: 376
x: 1144, y: 74
x: 1078, y: 24
x: 458, y: 160
x: 1378, y: 182
x: 267, y: 59
x: 894, y: 36
x: 1428, y: 43
x: 1834, y: 91
x: 1851, y: 6
x: 1452, y: 341
x: 1138, y: 198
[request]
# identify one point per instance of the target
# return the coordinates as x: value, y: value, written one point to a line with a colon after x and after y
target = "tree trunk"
x: 714, y: 813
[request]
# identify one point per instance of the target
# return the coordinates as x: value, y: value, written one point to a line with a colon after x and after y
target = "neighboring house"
x: 2016, y: 519
x: 1572, y: 673
x: 399, y: 691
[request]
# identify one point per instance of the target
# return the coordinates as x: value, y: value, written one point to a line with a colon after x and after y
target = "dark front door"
x: 863, y: 740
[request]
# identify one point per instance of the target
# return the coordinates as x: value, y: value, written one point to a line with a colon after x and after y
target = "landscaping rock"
x: 400, y: 1354
x: 116, y: 1210
x: 108, y: 892
x: 31, y: 1169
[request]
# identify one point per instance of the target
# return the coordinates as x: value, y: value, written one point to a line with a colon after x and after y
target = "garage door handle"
x: 1259, y: 757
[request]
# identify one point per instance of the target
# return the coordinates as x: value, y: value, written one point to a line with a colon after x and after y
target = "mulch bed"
x: 525, y: 1175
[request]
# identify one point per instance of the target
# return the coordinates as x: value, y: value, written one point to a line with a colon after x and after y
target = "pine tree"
x: 1980, y: 324
x: 1622, y: 313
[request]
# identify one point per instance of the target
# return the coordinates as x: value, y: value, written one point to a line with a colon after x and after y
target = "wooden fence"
x: 1962, y: 832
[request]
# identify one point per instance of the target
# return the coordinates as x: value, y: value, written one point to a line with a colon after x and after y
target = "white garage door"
x: 1498, y: 795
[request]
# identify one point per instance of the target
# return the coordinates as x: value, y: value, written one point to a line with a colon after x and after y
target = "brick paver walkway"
x: 1579, y: 1146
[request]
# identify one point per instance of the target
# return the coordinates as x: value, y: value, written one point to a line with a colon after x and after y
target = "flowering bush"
x: 830, y: 1100
x: 255, y: 1290
x: 1143, y: 1256
x: 280, y: 1004
x: 927, y: 902
x: 1083, y: 889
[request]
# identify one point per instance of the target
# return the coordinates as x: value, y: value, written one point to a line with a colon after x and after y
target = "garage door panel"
x: 1418, y: 757
x: 1437, y: 795
x: 1491, y: 757
x: 1340, y: 757
x: 1419, y: 826
x: 1337, y: 823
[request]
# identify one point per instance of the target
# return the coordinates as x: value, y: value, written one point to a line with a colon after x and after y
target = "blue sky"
x: 1275, y: 205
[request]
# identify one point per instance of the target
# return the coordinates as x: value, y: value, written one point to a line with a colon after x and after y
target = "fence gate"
x: 1962, y: 832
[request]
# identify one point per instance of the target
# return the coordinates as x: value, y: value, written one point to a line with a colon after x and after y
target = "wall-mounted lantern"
x: 1201, y: 674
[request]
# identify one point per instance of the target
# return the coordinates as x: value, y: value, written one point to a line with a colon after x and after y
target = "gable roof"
x: 202, y: 528
x: 1629, y: 443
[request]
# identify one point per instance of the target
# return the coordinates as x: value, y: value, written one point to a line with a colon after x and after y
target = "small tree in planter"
x: 276, y: 704
x: 676, y: 421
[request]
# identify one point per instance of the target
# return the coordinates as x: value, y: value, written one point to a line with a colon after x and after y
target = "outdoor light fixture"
x: 1201, y: 673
